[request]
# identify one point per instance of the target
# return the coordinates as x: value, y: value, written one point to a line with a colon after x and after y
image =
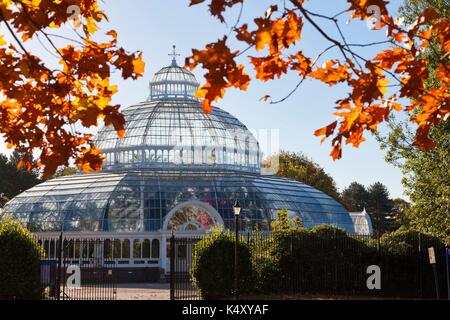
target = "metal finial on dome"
x: 174, y: 55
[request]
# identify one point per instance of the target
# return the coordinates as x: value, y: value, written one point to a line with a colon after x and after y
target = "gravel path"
x: 143, y: 291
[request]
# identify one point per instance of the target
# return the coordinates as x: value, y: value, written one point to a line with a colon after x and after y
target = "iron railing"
x: 79, y: 272
x: 332, y: 265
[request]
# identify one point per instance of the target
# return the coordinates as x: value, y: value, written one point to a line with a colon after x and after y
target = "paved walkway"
x: 143, y: 291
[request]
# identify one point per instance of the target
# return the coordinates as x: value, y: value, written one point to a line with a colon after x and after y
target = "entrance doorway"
x: 189, y: 219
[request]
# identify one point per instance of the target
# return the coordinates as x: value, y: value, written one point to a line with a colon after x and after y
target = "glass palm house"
x: 177, y: 170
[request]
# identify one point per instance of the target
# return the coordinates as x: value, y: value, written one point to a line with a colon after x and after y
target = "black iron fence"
x: 75, y: 269
x: 181, y: 253
x: 332, y: 265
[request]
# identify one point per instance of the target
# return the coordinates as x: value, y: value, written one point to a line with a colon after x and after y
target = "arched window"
x: 126, y: 249
x: 85, y: 247
x: 146, y: 249
x: 91, y: 248
x: 192, y: 217
x: 155, y: 248
x: 136, y: 249
x: 117, y: 246
x: 47, y: 248
x: 52, y: 249
x: 107, y: 249
x: 158, y: 156
x: 68, y: 249
x: 152, y: 155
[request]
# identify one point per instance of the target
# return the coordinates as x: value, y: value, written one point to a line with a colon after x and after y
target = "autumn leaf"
x: 326, y: 131
x: 41, y: 105
x: 217, y: 7
x: 331, y: 73
x: 267, y: 68
x: 369, y: 102
x: 225, y: 72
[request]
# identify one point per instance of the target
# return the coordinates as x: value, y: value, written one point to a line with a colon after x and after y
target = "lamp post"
x: 237, y: 211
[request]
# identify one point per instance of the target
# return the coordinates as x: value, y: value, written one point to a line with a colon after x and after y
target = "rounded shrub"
x: 20, y: 256
x: 212, y: 270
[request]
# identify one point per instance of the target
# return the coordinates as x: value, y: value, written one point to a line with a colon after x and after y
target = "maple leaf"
x: 217, y: 7
x: 332, y: 72
x: 41, y: 105
x: 267, y: 68
x: 224, y: 72
x: 326, y: 131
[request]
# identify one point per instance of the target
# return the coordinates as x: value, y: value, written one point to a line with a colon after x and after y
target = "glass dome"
x: 176, y: 132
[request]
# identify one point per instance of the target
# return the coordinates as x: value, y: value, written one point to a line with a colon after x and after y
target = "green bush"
x: 323, y: 257
x: 20, y: 256
x: 327, y: 259
x: 408, y: 269
x: 212, y: 270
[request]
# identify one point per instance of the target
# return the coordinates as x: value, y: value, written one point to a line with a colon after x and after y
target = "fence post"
x: 58, y: 278
x: 447, y: 262
x: 420, y: 267
x: 172, y: 267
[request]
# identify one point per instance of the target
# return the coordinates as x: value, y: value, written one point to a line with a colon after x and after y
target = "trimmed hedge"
x: 20, y: 256
x: 212, y: 269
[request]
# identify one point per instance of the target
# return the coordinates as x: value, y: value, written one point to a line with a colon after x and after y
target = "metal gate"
x: 77, y: 270
x: 181, y: 253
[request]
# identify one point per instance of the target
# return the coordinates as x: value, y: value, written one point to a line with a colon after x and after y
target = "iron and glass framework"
x: 177, y: 169
x: 138, y: 201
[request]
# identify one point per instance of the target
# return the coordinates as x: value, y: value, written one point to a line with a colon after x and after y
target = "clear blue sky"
x: 154, y: 26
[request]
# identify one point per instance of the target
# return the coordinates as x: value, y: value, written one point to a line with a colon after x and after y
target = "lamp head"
x: 237, y: 208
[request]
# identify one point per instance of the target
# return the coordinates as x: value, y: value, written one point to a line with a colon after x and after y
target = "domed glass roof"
x: 134, y: 201
x: 171, y: 130
x: 175, y: 166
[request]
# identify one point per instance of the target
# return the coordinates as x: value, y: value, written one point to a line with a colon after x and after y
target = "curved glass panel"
x: 191, y: 218
x: 138, y: 201
x: 179, y: 133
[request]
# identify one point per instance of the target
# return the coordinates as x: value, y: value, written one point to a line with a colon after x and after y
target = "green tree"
x: 20, y: 256
x: 284, y: 224
x: 379, y: 208
x: 299, y: 167
x: 425, y: 174
x: 13, y: 181
x: 399, y: 213
x: 411, y: 9
x: 355, y: 197
x: 65, y: 171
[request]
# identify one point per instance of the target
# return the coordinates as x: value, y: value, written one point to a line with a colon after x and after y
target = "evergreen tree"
x: 355, y: 197
x: 379, y: 208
